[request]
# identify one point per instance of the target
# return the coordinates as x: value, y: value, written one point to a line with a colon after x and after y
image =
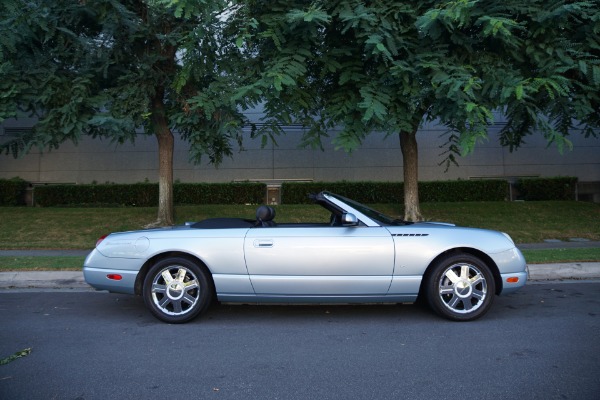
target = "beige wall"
x: 378, y: 159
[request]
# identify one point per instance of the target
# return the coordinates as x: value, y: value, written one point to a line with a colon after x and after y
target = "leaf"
x: 519, y: 92
x: 239, y: 42
x: 373, y: 103
x: 596, y: 75
x: 277, y: 82
x: 313, y: 14
x: 18, y: 354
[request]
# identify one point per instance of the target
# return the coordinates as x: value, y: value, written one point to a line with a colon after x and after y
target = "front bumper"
x: 508, y: 281
x: 513, y: 269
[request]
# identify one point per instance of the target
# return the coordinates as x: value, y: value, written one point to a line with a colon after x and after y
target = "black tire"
x: 177, y: 290
x: 460, y: 287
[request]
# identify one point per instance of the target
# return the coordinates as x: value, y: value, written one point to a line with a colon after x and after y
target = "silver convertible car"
x: 358, y: 256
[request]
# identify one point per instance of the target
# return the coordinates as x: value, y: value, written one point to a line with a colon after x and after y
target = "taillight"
x: 100, y: 240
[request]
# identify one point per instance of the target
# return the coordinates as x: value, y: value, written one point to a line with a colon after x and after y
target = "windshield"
x: 369, y: 212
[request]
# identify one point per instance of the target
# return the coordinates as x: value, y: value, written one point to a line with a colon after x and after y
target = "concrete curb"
x: 543, y: 272
x: 74, y: 279
x: 43, y: 280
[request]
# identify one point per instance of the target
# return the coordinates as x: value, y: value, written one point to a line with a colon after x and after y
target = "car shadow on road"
x: 132, y: 308
x: 532, y: 301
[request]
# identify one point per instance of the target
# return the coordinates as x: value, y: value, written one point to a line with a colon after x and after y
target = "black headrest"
x: 265, y: 213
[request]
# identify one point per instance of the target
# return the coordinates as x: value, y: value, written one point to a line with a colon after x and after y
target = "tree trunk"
x: 410, y: 161
x: 165, y: 162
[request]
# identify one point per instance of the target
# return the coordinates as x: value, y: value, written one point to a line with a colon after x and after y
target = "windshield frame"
x: 376, y: 216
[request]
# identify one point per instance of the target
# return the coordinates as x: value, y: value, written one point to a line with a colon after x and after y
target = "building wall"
x: 379, y: 159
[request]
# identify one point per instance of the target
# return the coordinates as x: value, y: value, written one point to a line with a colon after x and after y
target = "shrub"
x: 219, y: 193
x: 146, y: 194
x: 557, y: 188
x: 393, y: 192
x: 12, y: 192
x: 139, y: 194
x: 463, y: 190
x: 364, y: 192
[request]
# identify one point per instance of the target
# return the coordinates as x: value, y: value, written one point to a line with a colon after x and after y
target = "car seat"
x: 264, y: 216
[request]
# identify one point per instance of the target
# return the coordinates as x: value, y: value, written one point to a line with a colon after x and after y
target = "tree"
x: 390, y: 66
x: 107, y: 68
x: 545, y: 62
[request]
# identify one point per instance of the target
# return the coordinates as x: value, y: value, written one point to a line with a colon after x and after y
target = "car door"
x: 320, y: 261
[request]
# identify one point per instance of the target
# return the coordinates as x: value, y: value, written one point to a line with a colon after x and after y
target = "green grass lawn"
x: 41, y: 263
x: 548, y: 256
x: 79, y: 228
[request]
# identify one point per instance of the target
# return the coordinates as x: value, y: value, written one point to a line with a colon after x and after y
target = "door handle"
x: 263, y: 243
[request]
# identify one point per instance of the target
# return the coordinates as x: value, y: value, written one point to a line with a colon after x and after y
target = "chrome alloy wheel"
x: 462, y: 288
x: 175, y: 290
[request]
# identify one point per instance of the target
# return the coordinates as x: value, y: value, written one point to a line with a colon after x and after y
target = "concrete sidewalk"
x: 74, y: 279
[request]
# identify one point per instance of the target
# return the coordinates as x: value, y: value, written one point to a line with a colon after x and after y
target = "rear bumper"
x: 99, y: 279
x: 102, y: 278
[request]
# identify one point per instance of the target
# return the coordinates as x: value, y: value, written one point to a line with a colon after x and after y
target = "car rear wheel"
x: 176, y: 290
x: 460, y: 287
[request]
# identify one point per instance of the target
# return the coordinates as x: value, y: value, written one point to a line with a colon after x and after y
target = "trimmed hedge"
x: 220, y: 193
x: 393, y: 192
x: 12, y: 192
x: 364, y: 192
x: 558, y: 188
x: 146, y: 194
x: 139, y: 194
x: 463, y: 190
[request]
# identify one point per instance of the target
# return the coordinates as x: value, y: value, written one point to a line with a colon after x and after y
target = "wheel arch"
x: 466, y: 250
x: 141, y: 276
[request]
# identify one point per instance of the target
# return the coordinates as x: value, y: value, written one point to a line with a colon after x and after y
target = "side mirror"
x: 349, y: 219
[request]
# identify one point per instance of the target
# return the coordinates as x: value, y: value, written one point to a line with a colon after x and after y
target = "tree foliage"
x: 539, y: 61
x: 117, y: 69
x: 106, y: 67
x: 390, y: 66
x: 93, y: 67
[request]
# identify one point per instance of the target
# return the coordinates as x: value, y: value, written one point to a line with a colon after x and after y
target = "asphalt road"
x: 540, y: 343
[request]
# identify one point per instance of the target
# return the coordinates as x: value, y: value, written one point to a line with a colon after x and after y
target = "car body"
x: 358, y: 256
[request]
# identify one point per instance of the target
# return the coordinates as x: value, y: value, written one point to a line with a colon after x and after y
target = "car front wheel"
x: 176, y: 290
x: 460, y: 287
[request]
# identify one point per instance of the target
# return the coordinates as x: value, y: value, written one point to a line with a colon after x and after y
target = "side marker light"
x: 114, y: 277
x: 512, y: 279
